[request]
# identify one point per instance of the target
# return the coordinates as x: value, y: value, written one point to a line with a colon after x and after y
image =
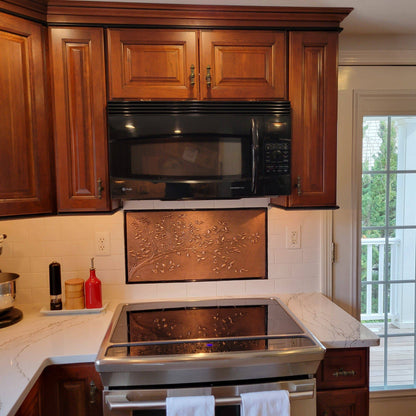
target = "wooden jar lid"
x: 74, y: 282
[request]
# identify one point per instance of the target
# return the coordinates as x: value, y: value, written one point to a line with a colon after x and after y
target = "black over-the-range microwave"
x: 199, y: 149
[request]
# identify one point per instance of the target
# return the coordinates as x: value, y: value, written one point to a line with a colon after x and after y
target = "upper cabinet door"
x: 79, y: 99
x: 313, y: 96
x: 243, y: 65
x: 146, y: 64
x: 26, y: 162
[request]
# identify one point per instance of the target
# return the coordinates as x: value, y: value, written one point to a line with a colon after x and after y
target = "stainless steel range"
x: 220, y: 347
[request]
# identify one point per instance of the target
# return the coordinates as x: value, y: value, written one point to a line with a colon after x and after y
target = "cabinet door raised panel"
x: 350, y: 402
x: 79, y: 99
x: 26, y: 164
x: 243, y: 64
x: 72, y: 390
x: 313, y: 96
x: 160, y: 64
x: 313, y: 93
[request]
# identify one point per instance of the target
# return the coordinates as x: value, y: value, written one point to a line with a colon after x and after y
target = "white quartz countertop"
x: 37, y: 341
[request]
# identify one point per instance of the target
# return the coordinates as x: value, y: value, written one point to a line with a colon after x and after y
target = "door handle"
x: 299, y: 186
x: 192, y: 76
x: 93, y: 391
x: 208, y: 77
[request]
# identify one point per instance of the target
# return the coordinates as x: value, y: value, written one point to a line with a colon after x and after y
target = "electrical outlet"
x: 293, y: 236
x: 102, y: 243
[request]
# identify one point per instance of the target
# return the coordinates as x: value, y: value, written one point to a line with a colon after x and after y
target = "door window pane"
x: 388, y: 247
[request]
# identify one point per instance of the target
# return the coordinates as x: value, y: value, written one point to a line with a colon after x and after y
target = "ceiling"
x: 376, y: 17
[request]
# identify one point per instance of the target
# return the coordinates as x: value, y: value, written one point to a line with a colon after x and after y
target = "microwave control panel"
x: 276, y: 158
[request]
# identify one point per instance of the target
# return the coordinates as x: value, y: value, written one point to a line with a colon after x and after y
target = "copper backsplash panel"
x: 189, y: 245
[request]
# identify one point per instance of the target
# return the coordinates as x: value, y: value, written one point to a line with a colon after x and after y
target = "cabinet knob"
x: 93, y: 391
x: 100, y: 188
x: 208, y: 77
x: 192, y: 76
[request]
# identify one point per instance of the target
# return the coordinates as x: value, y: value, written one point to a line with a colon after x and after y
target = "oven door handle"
x: 120, y: 402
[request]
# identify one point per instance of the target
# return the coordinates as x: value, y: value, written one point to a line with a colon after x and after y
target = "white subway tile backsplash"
x: 77, y: 228
x: 260, y: 287
x: 111, y: 276
x: 171, y: 290
x: 206, y: 204
x: 137, y: 205
x: 231, y: 288
x: 305, y: 270
x: 288, y: 255
x: 280, y: 271
x: 114, y: 262
x: 276, y: 241
x: 201, y: 289
x: 33, y: 243
x: 288, y: 286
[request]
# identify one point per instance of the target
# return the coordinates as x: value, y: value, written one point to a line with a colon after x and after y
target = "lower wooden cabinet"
x: 71, y: 390
x: 348, y: 402
x: 65, y: 390
x: 342, y: 383
x: 32, y: 405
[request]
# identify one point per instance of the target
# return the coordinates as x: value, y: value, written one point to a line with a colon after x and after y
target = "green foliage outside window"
x: 374, y: 196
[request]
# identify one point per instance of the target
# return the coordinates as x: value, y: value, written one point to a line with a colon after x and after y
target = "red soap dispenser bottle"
x: 93, y: 297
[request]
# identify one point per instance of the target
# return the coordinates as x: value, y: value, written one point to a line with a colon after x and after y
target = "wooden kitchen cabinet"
x: 193, y: 64
x: 313, y: 96
x: 26, y: 158
x: 79, y: 113
x: 342, y: 383
x: 149, y: 63
x: 32, y: 405
x: 71, y: 390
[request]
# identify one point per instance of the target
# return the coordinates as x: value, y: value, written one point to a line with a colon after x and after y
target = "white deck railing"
x: 371, y: 243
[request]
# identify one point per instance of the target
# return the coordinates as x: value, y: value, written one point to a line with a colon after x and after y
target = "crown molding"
x: 62, y: 12
x: 33, y: 9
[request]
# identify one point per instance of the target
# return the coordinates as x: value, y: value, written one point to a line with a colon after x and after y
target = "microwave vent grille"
x: 198, y: 107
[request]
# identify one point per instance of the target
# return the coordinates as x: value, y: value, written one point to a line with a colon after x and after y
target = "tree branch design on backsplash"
x: 175, y: 244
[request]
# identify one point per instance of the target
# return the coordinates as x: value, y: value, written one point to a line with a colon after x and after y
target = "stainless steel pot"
x: 7, y: 290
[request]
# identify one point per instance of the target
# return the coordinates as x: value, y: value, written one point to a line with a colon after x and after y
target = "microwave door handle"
x: 254, y: 151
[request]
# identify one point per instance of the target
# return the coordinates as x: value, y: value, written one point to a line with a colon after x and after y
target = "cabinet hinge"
x: 333, y: 252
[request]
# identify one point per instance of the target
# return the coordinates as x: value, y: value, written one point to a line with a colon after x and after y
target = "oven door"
x: 151, y: 402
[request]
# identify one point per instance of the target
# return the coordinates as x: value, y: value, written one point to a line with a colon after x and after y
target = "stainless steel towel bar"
x: 121, y: 402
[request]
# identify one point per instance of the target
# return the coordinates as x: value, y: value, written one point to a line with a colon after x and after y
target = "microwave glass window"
x: 219, y: 158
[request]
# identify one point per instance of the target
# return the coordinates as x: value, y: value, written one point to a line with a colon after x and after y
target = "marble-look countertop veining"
x: 29, y: 346
x: 334, y: 327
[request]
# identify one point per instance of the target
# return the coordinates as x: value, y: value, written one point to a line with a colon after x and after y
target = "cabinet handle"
x: 93, y: 391
x: 344, y: 373
x: 299, y: 186
x: 208, y: 77
x: 192, y: 76
x: 100, y: 188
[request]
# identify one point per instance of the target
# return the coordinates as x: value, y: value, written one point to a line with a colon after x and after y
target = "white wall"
x: 33, y: 243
